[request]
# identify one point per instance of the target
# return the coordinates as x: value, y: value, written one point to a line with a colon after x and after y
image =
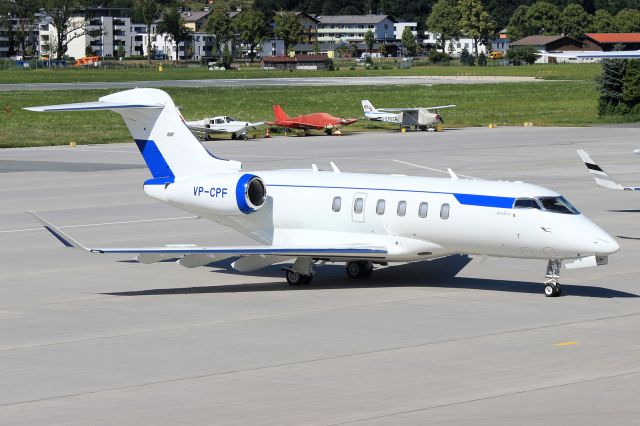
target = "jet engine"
x: 225, y: 194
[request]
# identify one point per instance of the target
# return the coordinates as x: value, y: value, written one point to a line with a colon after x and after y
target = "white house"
x: 399, y: 27
x: 454, y: 47
x: 352, y: 28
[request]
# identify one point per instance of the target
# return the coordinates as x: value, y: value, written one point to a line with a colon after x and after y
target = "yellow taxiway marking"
x: 565, y: 343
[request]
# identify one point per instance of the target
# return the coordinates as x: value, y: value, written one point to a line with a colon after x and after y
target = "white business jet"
x: 223, y: 124
x: 311, y: 217
x: 601, y: 177
x: 421, y: 118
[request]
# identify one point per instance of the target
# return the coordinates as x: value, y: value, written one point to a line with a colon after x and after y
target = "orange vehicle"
x: 87, y: 60
x: 496, y: 55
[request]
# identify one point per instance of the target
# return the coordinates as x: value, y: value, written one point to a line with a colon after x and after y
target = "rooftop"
x: 352, y: 19
x: 606, y: 38
x: 538, y: 40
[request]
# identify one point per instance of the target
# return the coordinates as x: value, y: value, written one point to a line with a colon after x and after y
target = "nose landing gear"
x: 551, y: 284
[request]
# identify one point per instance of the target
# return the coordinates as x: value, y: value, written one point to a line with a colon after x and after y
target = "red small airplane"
x: 317, y: 121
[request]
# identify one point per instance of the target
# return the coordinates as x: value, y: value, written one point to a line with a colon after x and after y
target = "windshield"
x: 526, y: 203
x: 557, y: 205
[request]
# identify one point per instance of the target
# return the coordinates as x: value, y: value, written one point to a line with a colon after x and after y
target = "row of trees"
x: 452, y: 18
x: 544, y: 17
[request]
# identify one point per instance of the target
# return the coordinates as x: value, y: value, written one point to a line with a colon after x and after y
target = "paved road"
x: 93, y: 339
x: 240, y: 82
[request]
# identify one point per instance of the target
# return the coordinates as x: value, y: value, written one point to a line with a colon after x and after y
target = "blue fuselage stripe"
x: 466, y: 199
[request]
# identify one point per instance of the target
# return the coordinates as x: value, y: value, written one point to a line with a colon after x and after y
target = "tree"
x: 409, y: 41
x: 383, y: 50
x: 543, y: 18
x: 602, y: 22
x: 444, y: 20
x: 149, y: 11
x: 627, y: 21
x: 631, y: 83
x: 221, y: 26
x: 519, y: 23
x: 526, y: 54
x: 67, y: 29
x: 24, y: 11
x: 369, y: 40
x: 288, y: 28
x: 575, y: 20
x: 611, y: 85
x: 172, y: 23
x: 475, y: 22
x: 252, y: 28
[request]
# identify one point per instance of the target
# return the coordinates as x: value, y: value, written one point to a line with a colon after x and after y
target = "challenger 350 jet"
x: 310, y: 217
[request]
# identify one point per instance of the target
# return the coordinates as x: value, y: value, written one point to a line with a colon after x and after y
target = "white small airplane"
x: 311, y: 217
x: 602, y: 178
x: 421, y: 118
x: 223, y: 124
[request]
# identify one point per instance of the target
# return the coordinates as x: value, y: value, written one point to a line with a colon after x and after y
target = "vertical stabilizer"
x: 161, y: 134
x: 367, y: 106
x: 279, y: 114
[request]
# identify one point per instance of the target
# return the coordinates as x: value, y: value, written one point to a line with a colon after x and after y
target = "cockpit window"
x: 557, y: 205
x: 526, y: 203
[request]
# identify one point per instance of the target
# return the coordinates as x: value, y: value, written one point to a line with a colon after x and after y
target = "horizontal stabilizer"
x: 333, y: 251
x: 92, y: 106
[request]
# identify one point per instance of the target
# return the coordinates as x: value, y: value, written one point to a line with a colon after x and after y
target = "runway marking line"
x: 570, y: 343
x: 103, y: 223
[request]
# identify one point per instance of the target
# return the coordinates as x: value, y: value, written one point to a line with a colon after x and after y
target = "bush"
x: 524, y: 54
x: 482, y: 60
x: 328, y: 64
x: 437, y: 57
x: 466, y: 58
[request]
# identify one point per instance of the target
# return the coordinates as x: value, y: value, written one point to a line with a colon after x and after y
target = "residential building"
x: 195, y: 20
x: 400, y: 26
x: 9, y: 45
x: 273, y: 47
x: 453, y: 47
x: 331, y: 50
x: 309, y: 26
x: 352, y: 28
x: 607, y: 41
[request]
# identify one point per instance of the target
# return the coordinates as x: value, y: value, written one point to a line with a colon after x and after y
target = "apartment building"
x: 352, y: 28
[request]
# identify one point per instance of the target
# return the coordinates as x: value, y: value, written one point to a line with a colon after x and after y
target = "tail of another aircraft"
x: 164, y: 140
x: 367, y: 107
x: 278, y: 113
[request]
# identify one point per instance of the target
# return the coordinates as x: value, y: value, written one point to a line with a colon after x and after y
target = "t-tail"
x: 601, y: 177
x: 279, y: 114
x: 167, y: 145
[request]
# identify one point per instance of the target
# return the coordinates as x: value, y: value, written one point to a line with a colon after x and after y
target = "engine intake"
x: 250, y: 193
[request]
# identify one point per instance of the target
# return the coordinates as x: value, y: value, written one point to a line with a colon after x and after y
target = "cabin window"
x: 526, y: 203
x: 402, y: 208
x: 337, y: 203
x: 219, y: 121
x: 557, y: 205
x: 380, y: 207
x: 423, y: 209
x: 358, y: 204
x: 444, y: 211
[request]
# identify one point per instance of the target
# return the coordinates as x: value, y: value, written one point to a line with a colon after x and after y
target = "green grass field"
x: 561, y: 103
x: 552, y: 72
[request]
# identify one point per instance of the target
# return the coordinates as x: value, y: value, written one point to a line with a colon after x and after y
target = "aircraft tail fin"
x: 367, y: 106
x: 278, y: 113
x: 601, y: 177
x: 160, y: 132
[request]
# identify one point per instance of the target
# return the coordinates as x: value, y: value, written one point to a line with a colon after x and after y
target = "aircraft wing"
x: 414, y: 109
x: 296, y: 125
x: 602, y: 178
x: 628, y: 54
x: 199, y: 127
x: 333, y: 251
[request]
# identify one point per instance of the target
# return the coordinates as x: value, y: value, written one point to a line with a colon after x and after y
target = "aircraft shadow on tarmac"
x: 439, y: 273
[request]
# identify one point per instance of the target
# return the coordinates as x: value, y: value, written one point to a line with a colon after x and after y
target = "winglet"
x: 602, y: 178
x: 66, y: 240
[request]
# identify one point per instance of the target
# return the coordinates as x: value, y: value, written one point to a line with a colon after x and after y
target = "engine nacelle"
x: 224, y: 194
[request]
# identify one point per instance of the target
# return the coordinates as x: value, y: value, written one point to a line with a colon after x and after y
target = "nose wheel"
x: 551, y: 285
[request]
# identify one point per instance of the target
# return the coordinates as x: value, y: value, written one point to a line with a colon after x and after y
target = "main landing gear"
x: 360, y: 269
x: 296, y: 278
x: 551, y: 284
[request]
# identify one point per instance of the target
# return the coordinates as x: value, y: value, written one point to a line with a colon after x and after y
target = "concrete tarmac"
x: 102, y: 340
x: 273, y: 81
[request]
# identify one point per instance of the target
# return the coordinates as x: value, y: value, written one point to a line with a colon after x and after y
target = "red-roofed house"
x: 607, y: 41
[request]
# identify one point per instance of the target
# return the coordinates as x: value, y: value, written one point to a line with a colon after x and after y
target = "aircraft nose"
x: 606, y: 245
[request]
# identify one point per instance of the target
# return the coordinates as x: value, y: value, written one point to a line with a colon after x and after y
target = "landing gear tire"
x: 234, y: 136
x: 245, y: 137
x: 552, y: 290
x: 295, y: 278
x: 361, y: 269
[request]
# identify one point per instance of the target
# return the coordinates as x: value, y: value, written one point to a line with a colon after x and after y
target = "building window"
x: 423, y: 209
x: 444, y: 211
x: 402, y: 208
x: 380, y: 207
x: 337, y: 203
